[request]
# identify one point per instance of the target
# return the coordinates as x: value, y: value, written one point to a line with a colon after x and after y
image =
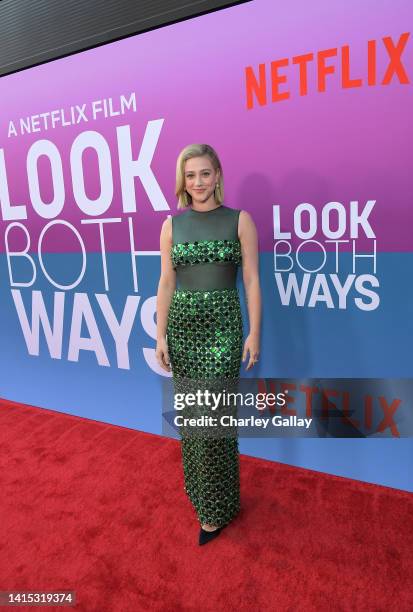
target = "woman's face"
x: 200, y: 178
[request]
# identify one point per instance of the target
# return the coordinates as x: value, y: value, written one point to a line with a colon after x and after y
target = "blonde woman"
x: 199, y: 322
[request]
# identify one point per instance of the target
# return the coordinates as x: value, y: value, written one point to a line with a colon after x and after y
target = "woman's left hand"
x: 252, y: 346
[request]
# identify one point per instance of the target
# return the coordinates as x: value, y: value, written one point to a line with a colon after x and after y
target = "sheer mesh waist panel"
x: 207, y: 276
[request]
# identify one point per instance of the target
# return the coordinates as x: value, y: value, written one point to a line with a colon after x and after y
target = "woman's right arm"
x: 166, y: 288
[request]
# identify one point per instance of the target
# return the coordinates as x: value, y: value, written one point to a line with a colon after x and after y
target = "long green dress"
x: 205, y: 337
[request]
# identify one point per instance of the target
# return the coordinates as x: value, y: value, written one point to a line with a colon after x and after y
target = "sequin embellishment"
x: 204, y: 251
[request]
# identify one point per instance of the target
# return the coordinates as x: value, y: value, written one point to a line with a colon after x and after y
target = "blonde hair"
x: 196, y: 150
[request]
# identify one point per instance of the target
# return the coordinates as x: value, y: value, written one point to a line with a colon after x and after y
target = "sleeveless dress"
x: 205, y: 337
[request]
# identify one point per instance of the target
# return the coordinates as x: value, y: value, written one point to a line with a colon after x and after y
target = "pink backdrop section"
x: 338, y: 145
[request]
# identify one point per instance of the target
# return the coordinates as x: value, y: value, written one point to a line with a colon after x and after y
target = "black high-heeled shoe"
x: 207, y: 536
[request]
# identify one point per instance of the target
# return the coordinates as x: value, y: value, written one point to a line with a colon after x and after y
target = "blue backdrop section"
x: 296, y: 342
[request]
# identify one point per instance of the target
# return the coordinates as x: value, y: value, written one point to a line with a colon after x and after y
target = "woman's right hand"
x: 162, y: 354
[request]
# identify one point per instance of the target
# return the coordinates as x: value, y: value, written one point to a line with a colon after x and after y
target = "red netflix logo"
x: 256, y: 85
x: 360, y: 411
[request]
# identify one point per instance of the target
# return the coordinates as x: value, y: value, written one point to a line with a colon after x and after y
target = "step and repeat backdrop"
x: 309, y: 109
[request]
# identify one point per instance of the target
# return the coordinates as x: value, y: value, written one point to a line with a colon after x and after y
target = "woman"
x: 199, y: 324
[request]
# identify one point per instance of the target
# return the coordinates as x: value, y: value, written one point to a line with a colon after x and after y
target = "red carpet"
x: 101, y: 510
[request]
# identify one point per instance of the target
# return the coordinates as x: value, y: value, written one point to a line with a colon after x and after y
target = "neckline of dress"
x: 204, y: 212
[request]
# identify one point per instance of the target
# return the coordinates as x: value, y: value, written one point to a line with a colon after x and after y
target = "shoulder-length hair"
x: 196, y: 150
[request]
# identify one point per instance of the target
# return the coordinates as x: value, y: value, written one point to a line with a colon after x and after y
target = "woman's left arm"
x: 247, y: 234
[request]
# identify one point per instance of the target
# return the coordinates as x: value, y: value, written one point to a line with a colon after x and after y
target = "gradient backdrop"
x: 337, y: 129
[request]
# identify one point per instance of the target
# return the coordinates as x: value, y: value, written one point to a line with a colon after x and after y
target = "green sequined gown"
x: 204, y: 336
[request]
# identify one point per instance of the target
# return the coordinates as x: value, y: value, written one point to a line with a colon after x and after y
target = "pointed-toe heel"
x: 207, y: 536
